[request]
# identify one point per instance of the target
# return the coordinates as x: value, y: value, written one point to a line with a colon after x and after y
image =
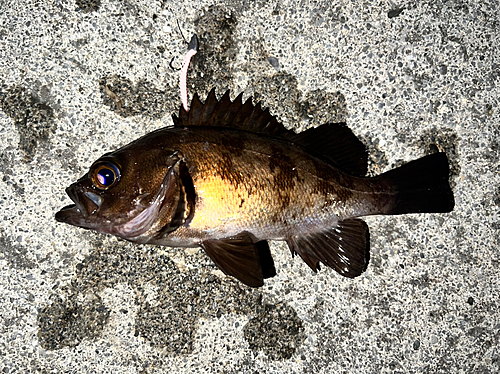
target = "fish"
x: 228, y: 177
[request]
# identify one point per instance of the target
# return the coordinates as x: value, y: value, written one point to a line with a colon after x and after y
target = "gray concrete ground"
x: 81, y: 78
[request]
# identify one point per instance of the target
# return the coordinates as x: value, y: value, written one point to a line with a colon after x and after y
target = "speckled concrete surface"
x: 80, y: 78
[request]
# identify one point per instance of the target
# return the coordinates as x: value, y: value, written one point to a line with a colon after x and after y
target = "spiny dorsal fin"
x: 226, y: 113
x: 194, y: 113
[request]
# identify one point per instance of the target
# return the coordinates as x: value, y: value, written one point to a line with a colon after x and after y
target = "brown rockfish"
x: 228, y: 177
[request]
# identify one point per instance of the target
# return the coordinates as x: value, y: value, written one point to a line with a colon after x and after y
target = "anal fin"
x: 346, y: 248
x: 240, y: 257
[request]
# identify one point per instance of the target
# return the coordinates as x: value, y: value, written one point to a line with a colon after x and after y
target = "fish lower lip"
x: 62, y: 215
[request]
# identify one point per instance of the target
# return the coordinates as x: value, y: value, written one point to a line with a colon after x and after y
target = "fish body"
x: 228, y: 177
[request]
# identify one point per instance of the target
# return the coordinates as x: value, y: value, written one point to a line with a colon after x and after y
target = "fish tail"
x: 420, y: 186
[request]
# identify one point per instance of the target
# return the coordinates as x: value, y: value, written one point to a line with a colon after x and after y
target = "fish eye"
x: 105, y: 175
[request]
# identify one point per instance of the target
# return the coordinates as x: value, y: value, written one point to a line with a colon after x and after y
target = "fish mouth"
x: 77, y: 214
x: 72, y: 215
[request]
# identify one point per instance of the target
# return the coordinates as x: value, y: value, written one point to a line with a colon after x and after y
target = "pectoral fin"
x: 241, y: 258
x: 345, y: 248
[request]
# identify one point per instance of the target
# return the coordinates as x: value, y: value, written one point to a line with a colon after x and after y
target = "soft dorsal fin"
x: 226, y: 113
x: 337, y: 143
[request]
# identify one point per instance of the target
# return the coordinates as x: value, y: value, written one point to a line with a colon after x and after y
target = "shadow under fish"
x: 228, y: 177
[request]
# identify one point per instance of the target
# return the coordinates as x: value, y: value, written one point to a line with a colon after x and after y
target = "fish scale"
x: 246, y: 178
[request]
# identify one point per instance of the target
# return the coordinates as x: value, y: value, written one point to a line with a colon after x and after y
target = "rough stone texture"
x: 33, y: 119
x: 127, y: 99
x: 215, y: 29
x: 276, y: 331
x: 409, y: 79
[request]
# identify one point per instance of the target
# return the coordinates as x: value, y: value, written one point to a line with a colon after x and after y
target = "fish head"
x: 126, y: 193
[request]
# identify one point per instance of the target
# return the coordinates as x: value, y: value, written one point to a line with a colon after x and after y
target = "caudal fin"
x: 420, y: 186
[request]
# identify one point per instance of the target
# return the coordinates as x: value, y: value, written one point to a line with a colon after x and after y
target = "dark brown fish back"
x: 334, y: 142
